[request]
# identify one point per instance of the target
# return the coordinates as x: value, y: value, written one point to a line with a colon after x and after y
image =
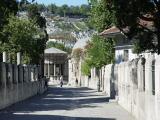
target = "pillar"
x: 3, y: 75
x: 48, y: 70
x: 54, y: 69
x: 20, y: 74
x: 18, y: 58
x: 32, y: 73
x: 149, y: 75
x: 45, y: 69
x: 60, y: 69
x: 10, y: 74
x: 15, y: 74
x: 4, y: 56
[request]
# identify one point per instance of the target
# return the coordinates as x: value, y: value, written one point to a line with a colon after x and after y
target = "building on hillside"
x: 123, y: 48
x: 56, y: 64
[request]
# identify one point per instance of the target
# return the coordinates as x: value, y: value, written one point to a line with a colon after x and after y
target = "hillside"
x: 67, y: 30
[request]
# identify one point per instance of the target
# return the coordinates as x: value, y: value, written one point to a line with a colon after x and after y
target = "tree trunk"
x: 158, y: 39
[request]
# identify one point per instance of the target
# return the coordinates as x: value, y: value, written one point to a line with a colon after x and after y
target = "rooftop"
x: 111, y: 32
x: 53, y: 50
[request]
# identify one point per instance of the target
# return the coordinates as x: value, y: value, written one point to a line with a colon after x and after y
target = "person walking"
x: 76, y: 82
x: 61, y: 81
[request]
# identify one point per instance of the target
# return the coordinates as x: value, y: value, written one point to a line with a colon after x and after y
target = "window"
x: 126, y: 55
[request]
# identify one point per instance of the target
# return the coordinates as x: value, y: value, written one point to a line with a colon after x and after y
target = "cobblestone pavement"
x: 66, y: 104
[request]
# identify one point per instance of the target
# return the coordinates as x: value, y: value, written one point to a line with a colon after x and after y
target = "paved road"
x: 66, y: 104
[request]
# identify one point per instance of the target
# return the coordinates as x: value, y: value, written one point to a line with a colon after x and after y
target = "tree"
x: 52, y: 8
x: 21, y: 36
x: 7, y: 7
x: 100, y: 17
x: 100, y: 51
x: 132, y: 14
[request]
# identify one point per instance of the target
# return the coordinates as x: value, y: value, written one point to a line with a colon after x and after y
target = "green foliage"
x: 34, y: 14
x: 17, y: 33
x: 85, y: 68
x: 100, y: 52
x: 100, y: 17
x: 58, y: 46
x: 52, y: 8
x: 7, y: 7
x: 23, y: 36
x: 130, y: 13
x: 64, y: 10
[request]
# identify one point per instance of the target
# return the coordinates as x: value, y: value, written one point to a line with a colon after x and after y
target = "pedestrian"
x: 61, y: 81
x: 76, y: 82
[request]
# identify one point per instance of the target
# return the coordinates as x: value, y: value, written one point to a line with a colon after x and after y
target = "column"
x: 48, y: 70
x: 4, y: 56
x: 54, y: 69
x: 45, y: 71
x: 60, y: 69
x: 3, y: 75
x: 18, y: 58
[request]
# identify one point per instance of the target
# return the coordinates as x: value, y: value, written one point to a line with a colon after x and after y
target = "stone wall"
x: 18, y: 83
x: 137, y: 85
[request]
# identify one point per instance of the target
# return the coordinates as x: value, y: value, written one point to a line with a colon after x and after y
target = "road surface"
x: 66, y: 104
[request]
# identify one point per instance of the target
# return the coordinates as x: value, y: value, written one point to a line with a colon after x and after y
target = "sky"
x: 62, y: 2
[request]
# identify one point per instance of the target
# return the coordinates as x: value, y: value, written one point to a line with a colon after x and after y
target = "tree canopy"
x: 64, y: 10
x: 7, y: 7
x: 23, y: 36
x: 100, y: 17
x: 27, y: 36
x: 142, y: 17
x: 98, y: 53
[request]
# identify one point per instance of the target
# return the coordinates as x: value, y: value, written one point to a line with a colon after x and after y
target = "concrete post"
x: 3, y: 75
x: 60, y: 70
x: 141, y: 74
x: 25, y: 73
x: 20, y: 74
x: 148, y: 75
x: 36, y: 73
x: 15, y: 74
x: 29, y: 73
x: 18, y: 58
x: 4, y: 56
x: 54, y: 69
x: 157, y: 87
x: 45, y: 71
x: 32, y: 73
x: 10, y: 74
x: 48, y: 70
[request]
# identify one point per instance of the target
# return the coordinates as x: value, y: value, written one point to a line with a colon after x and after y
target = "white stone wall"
x: 18, y: 83
x: 137, y: 85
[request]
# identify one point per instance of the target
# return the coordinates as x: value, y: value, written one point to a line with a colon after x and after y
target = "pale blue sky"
x: 61, y: 2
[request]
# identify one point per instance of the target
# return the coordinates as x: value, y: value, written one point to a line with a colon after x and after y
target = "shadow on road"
x: 55, y: 99
x: 50, y: 117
